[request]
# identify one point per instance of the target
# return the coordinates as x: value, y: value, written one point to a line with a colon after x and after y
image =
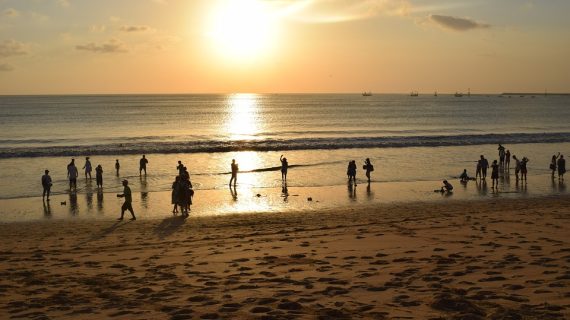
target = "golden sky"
x: 267, y: 46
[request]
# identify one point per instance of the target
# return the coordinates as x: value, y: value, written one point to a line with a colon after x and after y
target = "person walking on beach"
x: 99, y: 176
x: 484, y: 167
x: 87, y: 168
x: 235, y: 169
x: 46, y: 184
x: 494, y: 175
x: 127, y: 205
x: 284, y: 167
x: 501, y: 155
x: 561, y: 167
x: 517, y: 167
x: 117, y: 166
x: 508, y: 159
x: 553, y: 163
x: 524, y: 161
x: 142, y: 165
x: 368, y: 167
x: 72, y: 174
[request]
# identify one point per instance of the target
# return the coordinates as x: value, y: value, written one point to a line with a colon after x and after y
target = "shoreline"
x: 157, y: 204
x: 503, y: 258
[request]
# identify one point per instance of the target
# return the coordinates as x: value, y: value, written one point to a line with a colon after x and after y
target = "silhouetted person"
x: 501, y: 155
x: 88, y: 168
x: 447, y: 187
x: 117, y: 166
x: 508, y: 159
x: 524, y: 161
x: 99, y: 176
x: 174, y: 195
x: 553, y: 163
x: 517, y: 167
x: 351, y: 172
x: 284, y: 167
x: 142, y: 165
x: 46, y: 184
x: 561, y: 167
x: 128, y: 204
x: 464, y: 177
x: 368, y: 167
x: 72, y: 175
x: 494, y: 175
x: 180, y: 168
x: 484, y: 167
x: 478, y: 169
x: 235, y: 169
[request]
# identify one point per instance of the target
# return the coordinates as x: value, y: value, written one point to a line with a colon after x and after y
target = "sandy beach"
x: 491, y: 259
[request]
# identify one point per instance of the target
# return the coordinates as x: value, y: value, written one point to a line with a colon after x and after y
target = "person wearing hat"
x: 127, y: 205
x: 46, y: 183
x: 87, y: 168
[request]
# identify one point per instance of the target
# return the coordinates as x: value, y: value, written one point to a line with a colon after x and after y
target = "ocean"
x: 408, y: 139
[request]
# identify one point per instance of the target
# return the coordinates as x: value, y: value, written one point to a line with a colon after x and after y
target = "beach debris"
x: 309, y: 199
x: 63, y: 203
x: 258, y: 195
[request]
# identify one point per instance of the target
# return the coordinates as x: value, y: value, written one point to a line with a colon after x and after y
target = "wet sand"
x: 458, y: 259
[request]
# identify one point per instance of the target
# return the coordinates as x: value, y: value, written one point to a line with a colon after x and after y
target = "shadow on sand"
x: 169, y: 225
x: 103, y: 233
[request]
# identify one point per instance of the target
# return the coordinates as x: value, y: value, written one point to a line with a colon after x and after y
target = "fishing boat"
x: 367, y: 93
x: 459, y: 94
x: 414, y: 94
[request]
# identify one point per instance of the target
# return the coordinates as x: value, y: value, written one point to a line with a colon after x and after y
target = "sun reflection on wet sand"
x: 242, y: 121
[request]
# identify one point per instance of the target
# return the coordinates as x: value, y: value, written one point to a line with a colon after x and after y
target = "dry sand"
x: 497, y: 259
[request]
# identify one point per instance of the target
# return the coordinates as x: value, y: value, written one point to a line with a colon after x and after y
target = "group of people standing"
x: 182, y: 191
x: 558, y: 163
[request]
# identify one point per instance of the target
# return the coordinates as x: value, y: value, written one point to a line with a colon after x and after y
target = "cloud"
x: 12, y: 48
x: 63, y: 3
x: 456, y: 23
x: 331, y: 11
x: 97, y: 28
x: 5, y: 67
x: 126, y: 28
x: 111, y: 46
x: 11, y: 12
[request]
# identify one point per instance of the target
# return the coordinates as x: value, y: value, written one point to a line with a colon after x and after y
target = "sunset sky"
x: 208, y: 46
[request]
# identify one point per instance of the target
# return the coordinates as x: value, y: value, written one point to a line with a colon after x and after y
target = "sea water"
x: 408, y: 139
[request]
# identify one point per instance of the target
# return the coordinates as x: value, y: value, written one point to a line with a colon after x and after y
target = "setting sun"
x: 241, y: 30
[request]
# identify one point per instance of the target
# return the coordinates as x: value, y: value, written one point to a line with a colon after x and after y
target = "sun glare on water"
x: 242, y: 30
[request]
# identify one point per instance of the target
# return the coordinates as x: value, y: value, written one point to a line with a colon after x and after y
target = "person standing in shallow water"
x: 508, y: 159
x: 517, y: 167
x: 128, y: 204
x: 46, y: 184
x: 553, y: 163
x: 501, y: 155
x: 72, y: 174
x: 494, y: 175
x: 284, y: 168
x: 99, y: 176
x: 351, y: 172
x: 368, y: 167
x: 142, y: 165
x: 88, y: 168
x: 117, y: 166
x: 484, y: 167
x: 235, y: 169
x: 561, y: 167
x: 524, y: 161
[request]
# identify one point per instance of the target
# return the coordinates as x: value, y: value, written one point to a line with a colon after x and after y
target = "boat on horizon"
x: 414, y: 94
x: 367, y: 93
x: 458, y: 94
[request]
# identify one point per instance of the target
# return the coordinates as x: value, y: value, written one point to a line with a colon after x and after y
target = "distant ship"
x: 414, y: 94
x: 459, y: 94
x: 367, y: 94
x: 435, y: 94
